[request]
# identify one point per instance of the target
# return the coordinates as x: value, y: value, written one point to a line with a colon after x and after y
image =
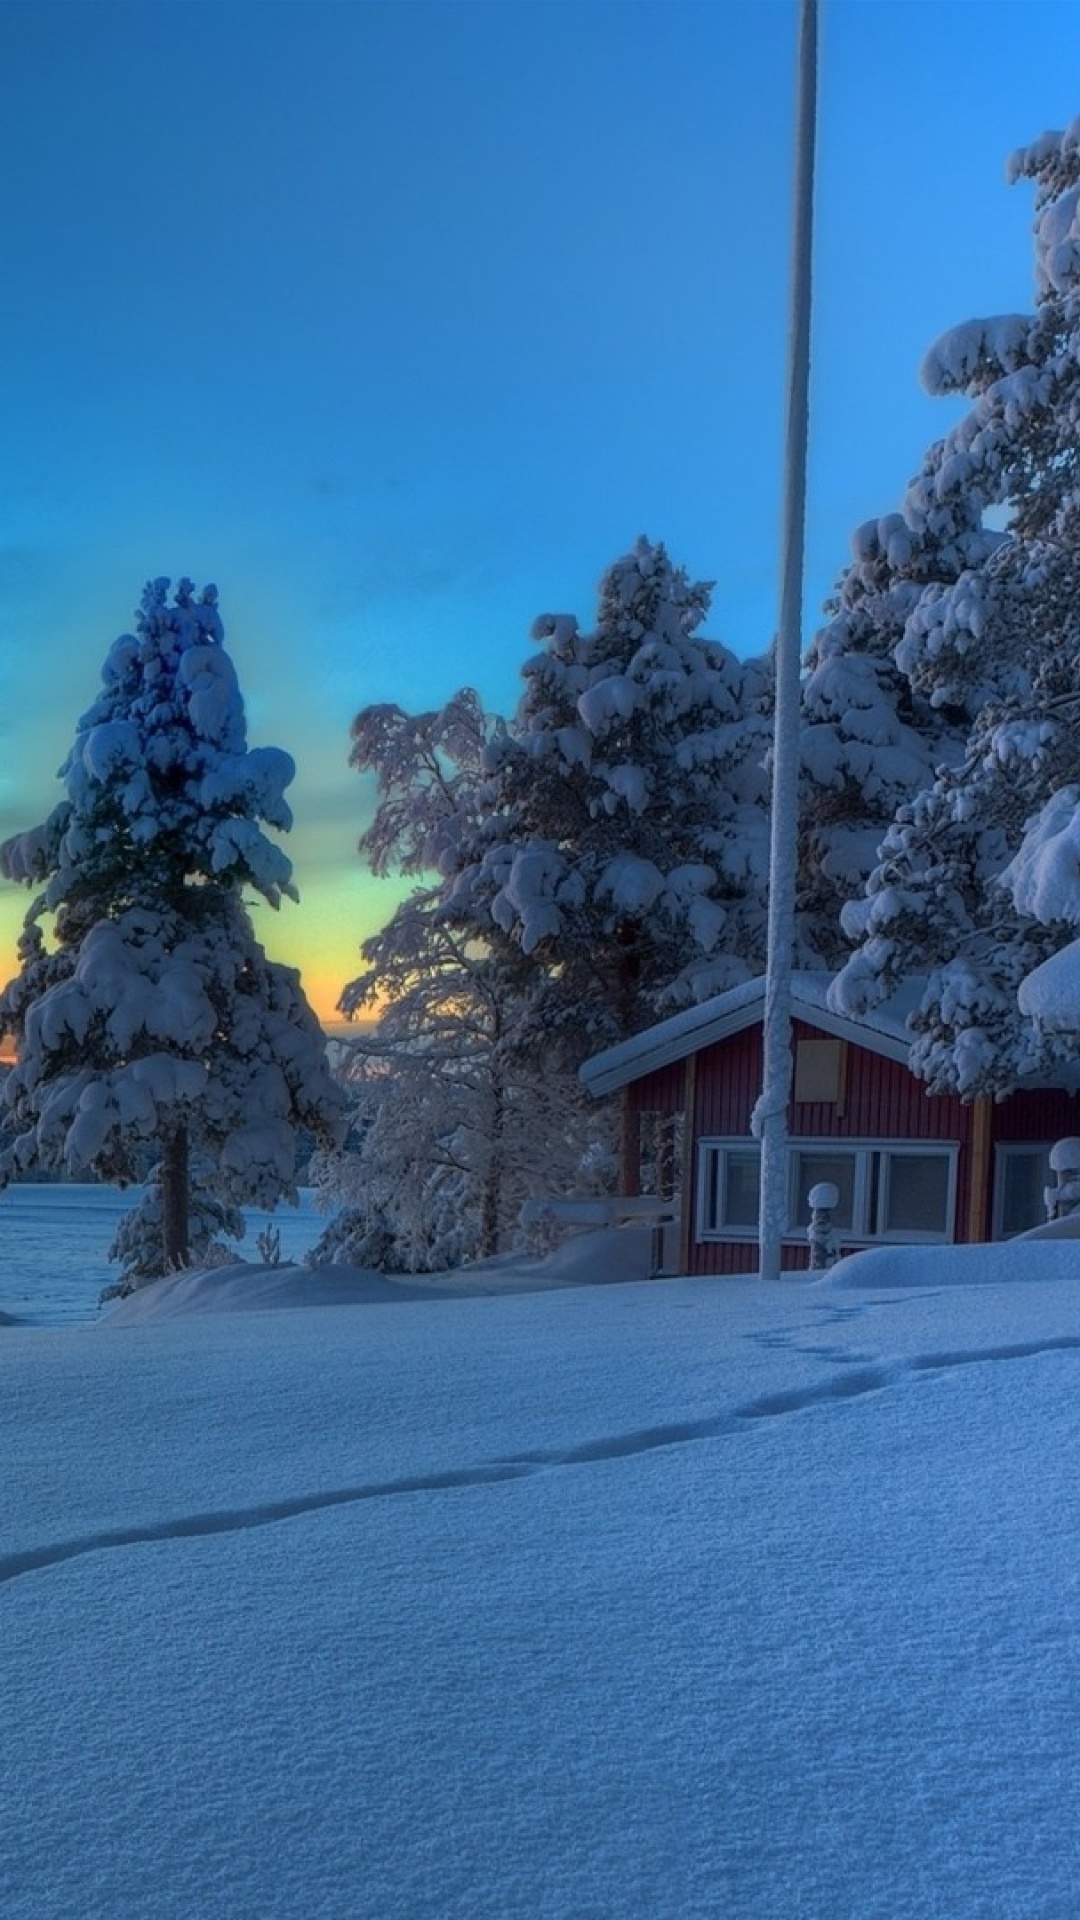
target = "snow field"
x: 657, y: 1601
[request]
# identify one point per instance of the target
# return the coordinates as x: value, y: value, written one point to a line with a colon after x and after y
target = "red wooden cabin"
x: 909, y: 1166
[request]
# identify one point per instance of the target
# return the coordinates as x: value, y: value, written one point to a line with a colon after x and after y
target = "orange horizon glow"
x: 323, y: 979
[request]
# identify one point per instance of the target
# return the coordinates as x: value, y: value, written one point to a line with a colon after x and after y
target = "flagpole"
x: 770, y: 1114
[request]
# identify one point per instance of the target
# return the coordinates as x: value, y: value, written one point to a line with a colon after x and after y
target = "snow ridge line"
x: 856, y: 1384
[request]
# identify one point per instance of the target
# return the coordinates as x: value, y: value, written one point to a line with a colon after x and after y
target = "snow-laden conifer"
x: 599, y: 855
x: 628, y: 851
x: 997, y: 646
x: 145, y: 1012
x: 868, y: 741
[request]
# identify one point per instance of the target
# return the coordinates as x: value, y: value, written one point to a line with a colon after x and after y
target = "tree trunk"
x: 491, y: 1202
x: 629, y: 1147
x: 176, y: 1246
x: 665, y: 1157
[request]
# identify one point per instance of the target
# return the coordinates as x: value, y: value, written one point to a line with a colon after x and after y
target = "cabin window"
x: 1020, y: 1178
x: 808, y: 1168
x: 728, y: 1189
x: 886, y: 1192
x: 914, y: 1194
x: 742, y: 1186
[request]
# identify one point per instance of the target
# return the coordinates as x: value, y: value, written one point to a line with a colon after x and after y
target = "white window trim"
x: 855, y: 1236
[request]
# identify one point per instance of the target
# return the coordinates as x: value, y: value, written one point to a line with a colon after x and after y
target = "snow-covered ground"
x: 633, y: 1601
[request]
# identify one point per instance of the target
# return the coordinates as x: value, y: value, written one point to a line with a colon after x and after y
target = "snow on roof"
x: 883, y: 1030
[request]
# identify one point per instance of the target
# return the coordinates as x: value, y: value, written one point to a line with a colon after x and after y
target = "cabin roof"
x: 883, y: 1030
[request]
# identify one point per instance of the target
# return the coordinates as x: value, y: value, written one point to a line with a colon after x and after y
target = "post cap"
x: 1065, y: 1156
x: 823, y: 1195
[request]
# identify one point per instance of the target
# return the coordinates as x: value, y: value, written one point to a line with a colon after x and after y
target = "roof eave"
x: 654, y: 1049
x: 633, y: 1059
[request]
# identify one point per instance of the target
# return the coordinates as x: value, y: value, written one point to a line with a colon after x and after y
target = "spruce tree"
x: 999, y: 647
x: 869, y: 740
x: 627, y: 849
x: 144, y: 1010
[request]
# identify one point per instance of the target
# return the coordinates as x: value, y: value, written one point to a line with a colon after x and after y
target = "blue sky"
x: 401, y: 321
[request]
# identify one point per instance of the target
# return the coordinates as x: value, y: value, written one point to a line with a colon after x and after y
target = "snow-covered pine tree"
x: 1043, y: 880
x: 458, y: 1122
x: 868, y: 741
x: 999, y: 645
x: 627, y: 846
x: 935, y: 906
x: 150, y: 1013
x: 602, y: 854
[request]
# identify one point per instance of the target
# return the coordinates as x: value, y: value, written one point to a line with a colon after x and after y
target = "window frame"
x: 912, y: 1150
x: 1016, y: 1149
x: 710, y: 1185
